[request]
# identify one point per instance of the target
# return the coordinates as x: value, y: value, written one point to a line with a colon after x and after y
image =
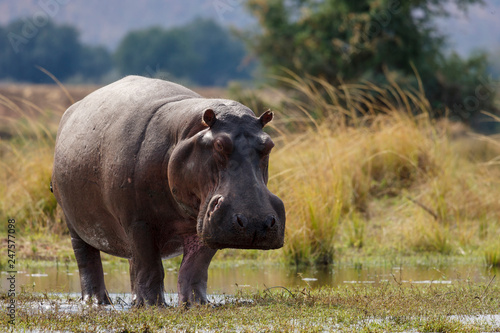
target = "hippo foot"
x: 98, y: 300
x: 148, y: 298
x: 193, y: 302
x: 141, y: 302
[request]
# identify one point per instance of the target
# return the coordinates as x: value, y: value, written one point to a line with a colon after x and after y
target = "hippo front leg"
x: 193, y: 274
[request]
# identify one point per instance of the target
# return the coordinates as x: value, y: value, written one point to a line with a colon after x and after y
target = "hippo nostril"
x: 215, y: 204
x: 218, y: 203
x: 241, y: 220
x: 270, y: 221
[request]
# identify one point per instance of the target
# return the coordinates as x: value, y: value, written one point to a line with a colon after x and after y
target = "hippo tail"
x: 50, y: 186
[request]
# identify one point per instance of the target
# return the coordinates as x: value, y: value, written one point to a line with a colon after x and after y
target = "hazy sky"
x: 106, y: 22
x: 478, y: 29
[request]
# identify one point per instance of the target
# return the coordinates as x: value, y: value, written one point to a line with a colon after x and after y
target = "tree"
x: 94, y: 62
x: 51, y: 47
x: 220, y: 55
x: 24, y: 46
x: 201, y: 52
x: 343, y: 40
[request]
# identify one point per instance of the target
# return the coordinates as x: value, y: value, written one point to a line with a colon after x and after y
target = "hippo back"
x: 97, y: 151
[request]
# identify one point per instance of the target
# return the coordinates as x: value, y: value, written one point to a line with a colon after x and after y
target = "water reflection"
x: 227, y: 279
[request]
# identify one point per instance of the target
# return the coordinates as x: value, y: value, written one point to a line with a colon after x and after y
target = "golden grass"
x: 361, y: 169
x: 374, y: 171
x: 26, y: 151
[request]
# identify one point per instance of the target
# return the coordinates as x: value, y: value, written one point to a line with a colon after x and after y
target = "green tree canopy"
x: 24, y: 45
x: 343, y: 40
x: 201, y: 52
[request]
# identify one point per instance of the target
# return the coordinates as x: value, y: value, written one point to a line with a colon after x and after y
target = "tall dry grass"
x: 26, y: 152
x: 370, y: 171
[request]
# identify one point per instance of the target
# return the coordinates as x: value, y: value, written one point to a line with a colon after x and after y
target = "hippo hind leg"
x: 132, y: 282
x: 146, y: 268
x: 89, y: 263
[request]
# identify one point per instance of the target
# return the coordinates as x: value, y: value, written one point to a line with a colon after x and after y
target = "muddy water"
x: 227, y: 279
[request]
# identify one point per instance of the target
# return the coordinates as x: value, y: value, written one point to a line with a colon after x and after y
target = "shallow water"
x: 227, y: 279
x: 62, y: 281
x: 70, y: 302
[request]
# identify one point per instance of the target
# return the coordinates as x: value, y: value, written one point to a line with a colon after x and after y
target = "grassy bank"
x: 363, y: 170
x: 389, y: 307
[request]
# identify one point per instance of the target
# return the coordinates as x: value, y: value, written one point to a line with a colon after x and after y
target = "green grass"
x: 389, y: 307
x: 492, y: 256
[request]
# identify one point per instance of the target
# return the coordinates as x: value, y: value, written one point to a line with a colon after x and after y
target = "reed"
x: 492, y: 256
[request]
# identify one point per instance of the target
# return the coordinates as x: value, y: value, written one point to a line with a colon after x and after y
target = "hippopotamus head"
x: 220, y: 176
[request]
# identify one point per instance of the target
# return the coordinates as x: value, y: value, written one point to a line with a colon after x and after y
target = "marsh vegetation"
x: 365, y: 171
x: 388, y: 307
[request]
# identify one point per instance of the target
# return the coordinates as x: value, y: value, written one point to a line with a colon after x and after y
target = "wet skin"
x: 146, y: 169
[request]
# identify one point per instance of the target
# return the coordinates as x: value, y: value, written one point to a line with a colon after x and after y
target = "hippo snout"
x: 240, y: 220
x: 257, y: 229
x: 227, y: 227
x: 268, y: 223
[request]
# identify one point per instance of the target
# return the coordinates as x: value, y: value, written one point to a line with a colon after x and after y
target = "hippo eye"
x: 223, y: 145
x: 219, y: 146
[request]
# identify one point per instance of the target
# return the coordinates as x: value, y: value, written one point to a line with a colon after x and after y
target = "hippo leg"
x: 132, y: 281
x: 91, y: 273
x: 146, y: 268
x: 193, y: 274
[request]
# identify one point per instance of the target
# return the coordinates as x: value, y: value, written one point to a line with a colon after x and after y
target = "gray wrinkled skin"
x: 146, y: 169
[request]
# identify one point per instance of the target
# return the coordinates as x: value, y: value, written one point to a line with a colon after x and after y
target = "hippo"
x: 146, y: 169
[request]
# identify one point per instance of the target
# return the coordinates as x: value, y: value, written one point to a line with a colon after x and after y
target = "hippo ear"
x: 266, y: 117
x: 209, y: 117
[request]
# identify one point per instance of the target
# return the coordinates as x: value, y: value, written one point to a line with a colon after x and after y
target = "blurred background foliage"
x: 339, y: 41
x: 54, y: 47
x: 344, y: 41
x: 201, y: 52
